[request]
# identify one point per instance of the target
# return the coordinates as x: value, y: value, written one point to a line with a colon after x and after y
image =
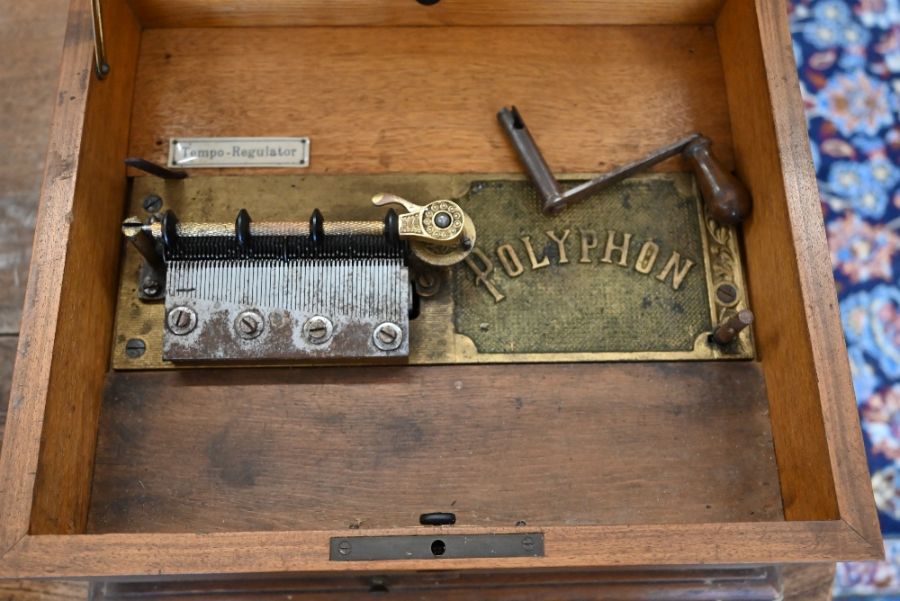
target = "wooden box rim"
x: 853, y: 535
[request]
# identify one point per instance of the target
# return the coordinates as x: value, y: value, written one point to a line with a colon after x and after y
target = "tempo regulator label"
x: 239, y: 152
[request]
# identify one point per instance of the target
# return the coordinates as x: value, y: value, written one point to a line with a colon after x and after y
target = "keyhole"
x: 438, y: 548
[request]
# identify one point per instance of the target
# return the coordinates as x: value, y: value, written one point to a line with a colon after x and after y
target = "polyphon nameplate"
x: 634, y: 273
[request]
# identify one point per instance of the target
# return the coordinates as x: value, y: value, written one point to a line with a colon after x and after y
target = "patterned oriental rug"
x: 848, y: 59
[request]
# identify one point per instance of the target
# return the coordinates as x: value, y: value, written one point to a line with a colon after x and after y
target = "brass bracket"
x: 101, y: 66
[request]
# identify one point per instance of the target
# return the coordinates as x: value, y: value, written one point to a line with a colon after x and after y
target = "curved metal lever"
x: 440, y: 222
x: 440, y: 233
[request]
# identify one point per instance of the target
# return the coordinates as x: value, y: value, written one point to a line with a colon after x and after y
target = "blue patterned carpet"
x: 848, y: 58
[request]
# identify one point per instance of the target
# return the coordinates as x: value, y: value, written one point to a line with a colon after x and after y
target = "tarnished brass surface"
x: 635, y: 273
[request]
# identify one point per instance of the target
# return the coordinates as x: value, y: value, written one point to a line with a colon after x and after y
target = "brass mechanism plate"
x: 634, y: 273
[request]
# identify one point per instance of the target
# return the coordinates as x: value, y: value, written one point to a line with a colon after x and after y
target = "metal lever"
x: 440, y: 222
x: 440, y: 233
x: 726, y: 198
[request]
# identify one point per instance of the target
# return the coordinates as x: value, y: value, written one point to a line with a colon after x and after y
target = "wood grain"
x: 231, y: 13
x: 43, y: 590
x: 23, y: 433
x: 572, y: 547
x: 311, y: 449
x: 87, y: 293
x: 815, y: 422
x: 81, y: 178
x: 418, y: 100
x: 30, y: 44
x: 775, y: 287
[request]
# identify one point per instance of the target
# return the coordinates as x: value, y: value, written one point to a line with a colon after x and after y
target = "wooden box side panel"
x: 22, y: 434
x: 799, y: 337
x: 424, y: 99
x: 237, y: 13
x: 63, y: 353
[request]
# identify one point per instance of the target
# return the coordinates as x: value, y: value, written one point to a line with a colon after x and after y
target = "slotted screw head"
x: 249, y: 324
x: 318, y: 329
x: 387, y: 336
x: 150, y: 286
x: 181, y: 320
x: 727, y: 294
x: 152, y: 203
x: 134, y: 348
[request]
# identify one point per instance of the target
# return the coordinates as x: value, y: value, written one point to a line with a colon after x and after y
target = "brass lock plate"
x: 636, y: 272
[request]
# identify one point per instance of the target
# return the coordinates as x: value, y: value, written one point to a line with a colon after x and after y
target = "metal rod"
x: 154, y: 169
x: 271, y: 228
x: 532, y: 159
x: 142, y: 238
x: 620, y: 173
x: 101, y: 65
x: 554, y: 198
x: 729, y: 330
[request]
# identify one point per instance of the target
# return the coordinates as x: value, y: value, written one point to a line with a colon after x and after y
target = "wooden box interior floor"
x: 298, y: 450
x: 335, y: 448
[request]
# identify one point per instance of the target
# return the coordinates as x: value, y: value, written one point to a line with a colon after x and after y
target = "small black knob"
x: 437, y: 518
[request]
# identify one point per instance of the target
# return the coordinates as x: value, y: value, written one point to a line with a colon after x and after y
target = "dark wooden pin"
x: 729, y: 330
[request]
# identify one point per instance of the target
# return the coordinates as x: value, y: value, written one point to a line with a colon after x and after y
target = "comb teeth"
x: 349, y: 287
x: 284, y: 248
x: 354, y: 297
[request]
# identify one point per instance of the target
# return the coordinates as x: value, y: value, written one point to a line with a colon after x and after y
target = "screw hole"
x: 438, y: 548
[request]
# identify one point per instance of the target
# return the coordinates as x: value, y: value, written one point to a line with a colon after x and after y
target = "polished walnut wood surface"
x: 85, y: 188
x: 310, y: 449
x: 814, y: 413
x: 424, y: 99
x: 230, y: 13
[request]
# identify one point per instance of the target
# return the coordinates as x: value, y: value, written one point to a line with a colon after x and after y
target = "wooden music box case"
x: 235, y: 360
